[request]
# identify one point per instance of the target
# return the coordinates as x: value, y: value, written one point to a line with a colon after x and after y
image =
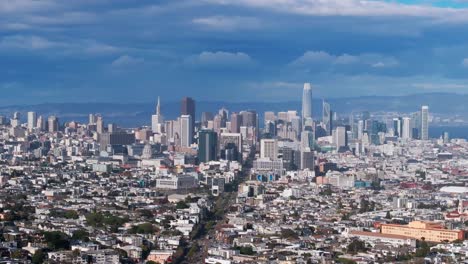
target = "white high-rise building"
x: 407, y: 129
x: 425, y: 122
x: 327, y: 117
x: 53, y: 124
x: 307, y: 102
x: 186, y: 131
x: 340, y: 137
x: 32, y: 120
x: 41, y: 123
x: 157, y: 120
x: 360, y: 129
x: 269, y: 149
x: 307, y: 140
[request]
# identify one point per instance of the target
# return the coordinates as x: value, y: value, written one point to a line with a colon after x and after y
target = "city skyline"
x: 55, y: 52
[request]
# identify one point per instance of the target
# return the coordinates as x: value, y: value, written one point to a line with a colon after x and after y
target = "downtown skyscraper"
x: 157, y: 120
x: 306, y: 103
x: 425, y: 122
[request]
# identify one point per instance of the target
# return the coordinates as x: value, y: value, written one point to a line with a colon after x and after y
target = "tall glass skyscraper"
x: 425, y: 122
x: 307, y: 102
x: 327, y: 117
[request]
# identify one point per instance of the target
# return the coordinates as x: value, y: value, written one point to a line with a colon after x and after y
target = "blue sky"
x: 240, y: 50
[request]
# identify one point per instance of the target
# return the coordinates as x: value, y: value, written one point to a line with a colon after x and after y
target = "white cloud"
x: 126, y: 61
x: 93, y: 47
x: 28, y: 43
x: 351, y: 8
x: 228, y: 23
x: 311, y: 58
x: 219, y: 58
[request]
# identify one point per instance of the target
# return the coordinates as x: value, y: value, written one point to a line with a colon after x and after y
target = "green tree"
x: 356, y: 246
x: 38, y: 257
x: 81, y: 234
x: 182, y: 205
x: 57, y: 240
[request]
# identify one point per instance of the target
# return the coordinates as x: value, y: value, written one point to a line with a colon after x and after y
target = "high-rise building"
x: 306, y: 102
x: 99, y: 124
x: 91, y: 119
x: 249, y: 118
x: 236, y: 122
x: 53, y: 124
x: 32, y: 120
x: 407, y: 130
x: 157, y: 120
x: 269, y: 149
x: 217, y: 123
x: 327, y: 117
x: 207, y: 145
x: 188, y: 108
x: 270, y: 116
x: 307, y: 159
x: 186, y: 131
x: 340, y: 137
x: 116, y: 138
x: 425, y: 122
x: 446, y: 137
x: 397, y: 127
x: 360, y: 129
x: 307, y: 140
x: 41, y: 123
x: 205, y: 117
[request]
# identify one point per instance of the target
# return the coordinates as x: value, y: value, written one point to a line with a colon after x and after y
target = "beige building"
x: 430, y: 231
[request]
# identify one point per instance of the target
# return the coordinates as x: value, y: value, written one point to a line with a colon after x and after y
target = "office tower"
x: 116, y: 138
x: 53, y: 124
x: 157, y: 120
x: 306, y: 102
x: 186, y: 131
x: 41, y: 123
x: 99, y: 124
x: 307, y: 140
x: 270, y: 116
x: 111, y: 127
x: 360, y: 128
x: 249, y: 118
x: 91, y: 119
x: 188, y: 108
x: 307, y: 160
x: 270, y: 128
x: 217, y: 123
x: 340, y: 137
x: 32, y: 120
x: 283, y: 116
x: 17, y: 115
x: 207, y: 145
x: 269, y: 149
x: 407, y: 130
x: 416, y: 125
x: 327, y: 117
x: 446, y: 137
x: 205, y: 117
x: 231, y: 138
x: 397, y: 127
x: 425, y: 122
x: 236, y: 122
x: 224, y: 113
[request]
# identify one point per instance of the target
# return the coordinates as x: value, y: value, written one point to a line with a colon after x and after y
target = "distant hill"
x: 136, y: 114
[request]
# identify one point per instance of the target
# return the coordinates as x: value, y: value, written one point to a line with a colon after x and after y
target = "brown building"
x: 430, y: 231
